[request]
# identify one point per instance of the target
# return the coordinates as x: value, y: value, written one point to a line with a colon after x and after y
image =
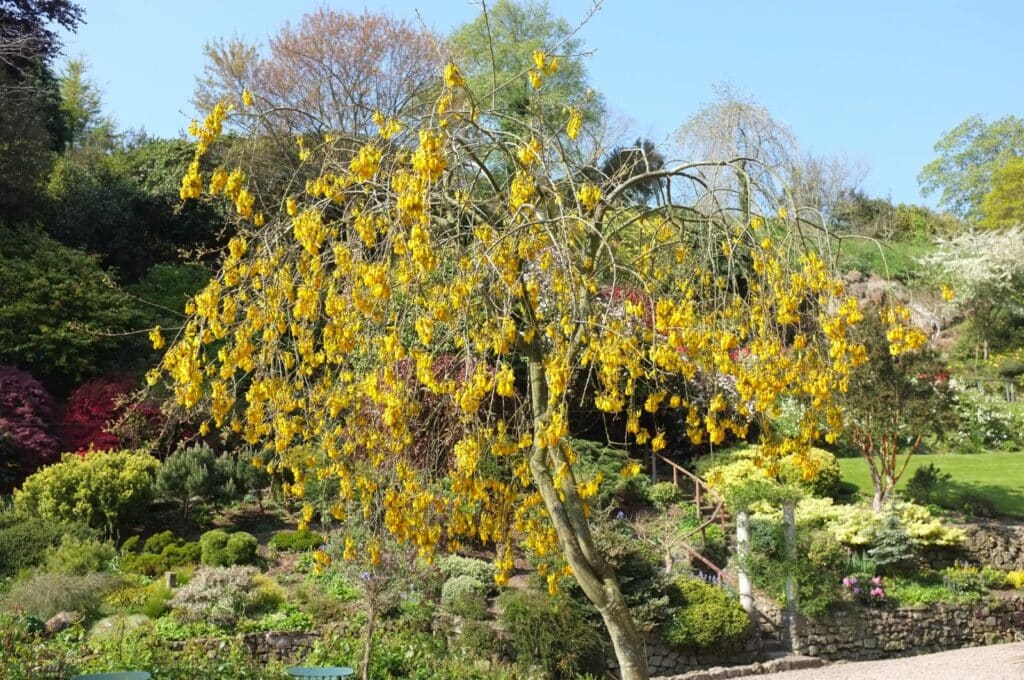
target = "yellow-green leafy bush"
x: 817, y: 471
x: 857, y: 525
x: 1015, y: 579
x: 101, y: 488
x: 705, y: 617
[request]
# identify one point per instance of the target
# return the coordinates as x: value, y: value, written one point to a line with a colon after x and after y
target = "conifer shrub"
x: 705, y: 618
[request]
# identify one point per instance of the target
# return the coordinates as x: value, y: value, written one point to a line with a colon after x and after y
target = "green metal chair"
x: 321, y: 672
x: 123, y: 675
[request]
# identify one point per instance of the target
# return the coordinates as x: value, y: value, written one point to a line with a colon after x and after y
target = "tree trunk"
x: 368, y: 645
x: 595, y: 577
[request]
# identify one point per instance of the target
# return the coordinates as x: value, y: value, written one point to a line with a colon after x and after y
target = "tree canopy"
x: 969, y: 156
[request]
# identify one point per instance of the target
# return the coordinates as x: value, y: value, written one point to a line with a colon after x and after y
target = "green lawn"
x: 998, y: 477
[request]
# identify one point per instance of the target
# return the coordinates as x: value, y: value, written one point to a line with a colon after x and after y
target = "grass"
x: 995, y: 476
x: 898, y: 260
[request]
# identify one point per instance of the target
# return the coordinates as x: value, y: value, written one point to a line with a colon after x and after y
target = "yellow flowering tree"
x: 450, y: 263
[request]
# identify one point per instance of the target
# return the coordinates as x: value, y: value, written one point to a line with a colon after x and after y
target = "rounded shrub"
x: 218, y: 548
x: 663, y: 494
x: 24, y: 541
x: 457, y: 565
x: 705, y: 618
x: 303, y: 540
x: 100, y: 488
x: 464, y: 596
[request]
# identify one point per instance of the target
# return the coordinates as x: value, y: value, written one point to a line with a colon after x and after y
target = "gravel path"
x: 994, y: 662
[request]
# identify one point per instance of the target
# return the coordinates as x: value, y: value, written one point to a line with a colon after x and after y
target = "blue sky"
x: 878, y: 81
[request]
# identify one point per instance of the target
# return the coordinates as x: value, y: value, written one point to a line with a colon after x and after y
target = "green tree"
x: 893, y: 403
x: 59, y: 309
x: 969, y: 156
x: 1003, y: 206
x: 496, y: 50
x: 82, y: 106
x: 31, y: 124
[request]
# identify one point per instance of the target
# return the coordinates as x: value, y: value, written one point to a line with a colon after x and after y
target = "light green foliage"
x: 966, y: 579
x: 734, y: 470
x: 663, y: 494
x: 82, y: 106
x: 43, y: 595
x: 457, y: 565
x: 705, y: 618
x: 969, y: 155
x: 494, y: 54
x: 464, y: 596
x: 59, y: 308
x: 856, y: 525
x: 79, y: 556
x: 1003, y: 206
x: 102, y: 488
x: 551, y: 632
x: 907, y: 593
x: 303, y: 540
x: 288, y: 618
x: 221, y: 595
x: 223, y: 549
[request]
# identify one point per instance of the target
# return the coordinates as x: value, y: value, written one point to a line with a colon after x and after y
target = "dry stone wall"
x: 861, y: 634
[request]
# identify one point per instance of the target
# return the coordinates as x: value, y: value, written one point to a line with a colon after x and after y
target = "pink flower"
x: 850, y: 581
x: 877, y: 592
x: 877, y: 580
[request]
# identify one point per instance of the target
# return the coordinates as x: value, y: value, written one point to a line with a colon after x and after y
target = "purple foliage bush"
x: 27, y: 438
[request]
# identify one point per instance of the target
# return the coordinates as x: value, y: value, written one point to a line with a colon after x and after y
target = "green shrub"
x: 552, y: 632
x: 25, y: 540
x: 156, y: 543
x: 663, y: 494
x: 303, y: 540
x: 892, y: 548
x: 101, y: 488
x: 925, y: 482
x: 161, y: 552
x: 705, y: 618
x: 221, y: 549
x: 130, y: 545
x: 457, y: 565
x: 464, y: 596
x: 44, y: 595
x: 196, y: 472
x: 157, y: 602
x: 638, y: 568
x: 79, y: 556
x: 615, y: 490
x: 965, y: 579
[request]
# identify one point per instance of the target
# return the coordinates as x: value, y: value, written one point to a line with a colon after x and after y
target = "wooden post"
x: 792, y: 598
x: 171, y: 579
x: 743, y: 553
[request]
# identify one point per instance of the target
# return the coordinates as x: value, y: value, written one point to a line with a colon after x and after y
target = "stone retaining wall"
x: 996, y: 544
x: 860, y: 634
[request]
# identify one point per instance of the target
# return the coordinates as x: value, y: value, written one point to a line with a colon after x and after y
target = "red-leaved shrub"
x: 90, y: 408
x: 27, y: 439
